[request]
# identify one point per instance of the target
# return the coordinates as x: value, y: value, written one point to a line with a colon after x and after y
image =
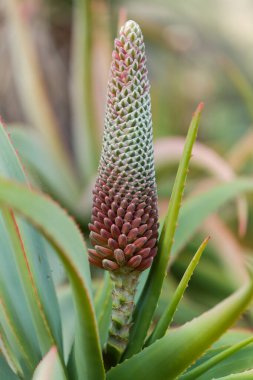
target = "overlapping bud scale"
x: 124, y: 228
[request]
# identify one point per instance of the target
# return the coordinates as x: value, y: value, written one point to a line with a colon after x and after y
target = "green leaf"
x: 41, y: 164
x: 168, y: 314
x: 17, y: 308
x: 197, y: 209
x: 50, y: 367
x: 31, y: 89
x: 238, y: 376
x: 238, y: 361
x: 171, y: 355
x: 63, y: 234
x: 44, y: 333
x: 67, y: 310
x: 13, y: 347
x: 216, y: 359
x: 5, y: 371
x: 84, y: 118
x: 147, y: 303
x: 15, y: 317
x: 103, y: 307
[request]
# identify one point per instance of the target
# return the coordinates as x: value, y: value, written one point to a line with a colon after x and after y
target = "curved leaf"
x: 238, y: 376
x: 63, y: 234
x: 216, y: 359
x: 67, y: 310
x: 5, y: 371
x: 37, y: 274
x: 49, y: 367
x: 103, y: 307
x: 170, y: 149
x: 147, y: 303
x: 31, y: 88
x: 14, y: 347
x: 198, y: 208
x: 227, y: 247
x: 171, y: 355
x: 41, y: 164
x: 44, y: 334
x: 85, y: 128
x: 237, y: 362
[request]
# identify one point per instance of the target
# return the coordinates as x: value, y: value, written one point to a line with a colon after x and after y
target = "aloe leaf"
x: 85, y: 134
x: 7, y: 350
x: 237, y: 376
x: 13, y: 346
x: 168, y: 314
x: 239, y: 361
x: 15, y: 317
x: 63, y: 234
x: 148, y: 300
x: 67, y: 310
x: 204, y: 367
x: 169, y: 150
x: 30, y: 85
x: 43, y: 169
x: 103, y: 307
x: 5, y: 371
x: 17, y: 307
x: 49, y: 368
x: 44, y: 335
x: 197, y: 209
x: 171, y: 355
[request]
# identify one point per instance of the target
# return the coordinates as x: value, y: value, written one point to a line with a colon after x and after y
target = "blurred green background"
x: 197, y: 51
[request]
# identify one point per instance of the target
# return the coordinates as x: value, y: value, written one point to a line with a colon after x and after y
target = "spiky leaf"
x: 63, y: 234
x: 170, y: 356
x: 148, y: 301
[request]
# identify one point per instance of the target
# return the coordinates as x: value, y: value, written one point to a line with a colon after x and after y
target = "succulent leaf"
x: 63, y: 234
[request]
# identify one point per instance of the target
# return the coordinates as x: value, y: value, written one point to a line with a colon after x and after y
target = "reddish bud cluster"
x: 124, y: 228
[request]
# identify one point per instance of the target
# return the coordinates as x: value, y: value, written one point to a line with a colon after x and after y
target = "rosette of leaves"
x: 37, y: 335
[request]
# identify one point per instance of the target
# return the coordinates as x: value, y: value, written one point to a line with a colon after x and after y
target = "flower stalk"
x: 124, y: 228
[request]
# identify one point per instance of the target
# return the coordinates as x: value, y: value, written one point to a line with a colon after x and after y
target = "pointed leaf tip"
x: 199, y: 109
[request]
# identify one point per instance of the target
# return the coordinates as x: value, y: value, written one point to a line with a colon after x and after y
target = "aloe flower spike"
x: 124, y: 228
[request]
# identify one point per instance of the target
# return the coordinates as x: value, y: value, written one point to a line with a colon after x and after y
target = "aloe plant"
x: 72, y: 333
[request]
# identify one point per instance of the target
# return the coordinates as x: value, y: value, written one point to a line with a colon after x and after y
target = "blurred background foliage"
x: 55, y: 57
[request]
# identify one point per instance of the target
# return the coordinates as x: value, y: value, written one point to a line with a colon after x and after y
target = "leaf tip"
x: 199, y: 109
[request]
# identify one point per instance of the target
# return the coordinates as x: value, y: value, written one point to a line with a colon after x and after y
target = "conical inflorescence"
x: 124, y: 226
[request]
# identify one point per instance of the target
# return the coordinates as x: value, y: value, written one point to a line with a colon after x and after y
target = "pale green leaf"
x: 13, y: 347
x: 84, y: 120
x: 31, y: 89
x: 147, y: 303
x: 198, y: 208
x: 5, y: 371
x: 238, y: 361
x: 216, y: 359
x: 67, y: 310
x: 103, y: 307
x: 50, y: 367
x: 44, y: 334
x: 14, y: 282
x: 171, y: 355
x: 63, y: 234
x: 41, y: 164
x: 238, y: 376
